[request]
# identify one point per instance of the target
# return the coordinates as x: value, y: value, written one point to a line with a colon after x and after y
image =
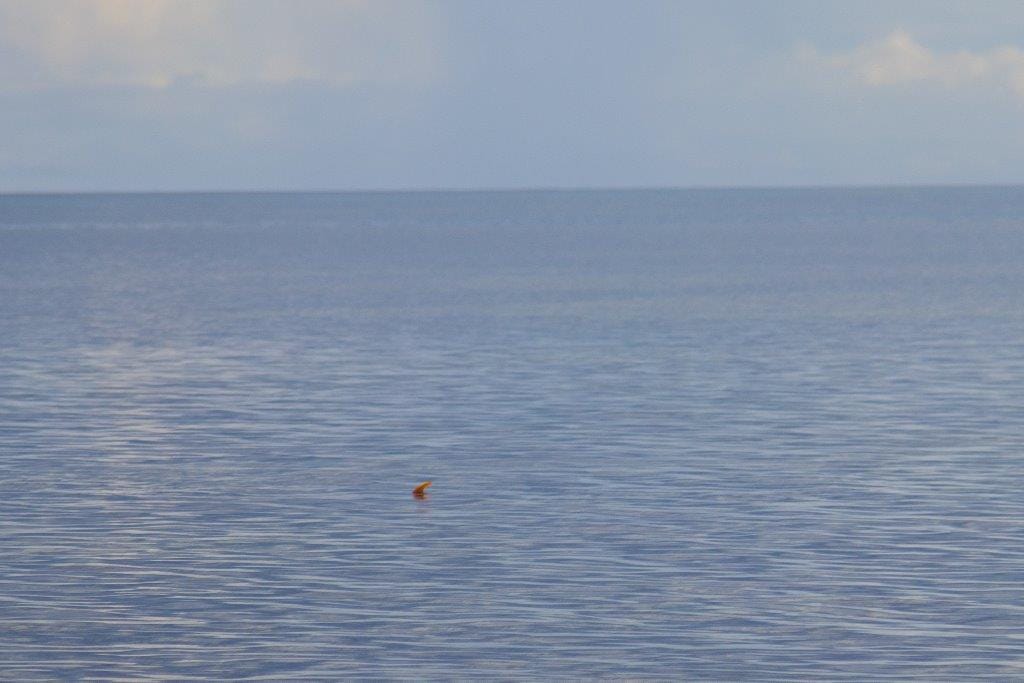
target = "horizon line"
x: 525, y: 188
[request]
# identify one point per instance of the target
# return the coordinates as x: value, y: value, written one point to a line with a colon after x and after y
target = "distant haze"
x: 348, y: 94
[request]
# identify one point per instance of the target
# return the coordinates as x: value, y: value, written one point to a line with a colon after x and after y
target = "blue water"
x: 745, y: 434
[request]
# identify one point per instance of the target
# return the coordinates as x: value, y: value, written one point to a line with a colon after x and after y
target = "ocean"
x: 691, y: 434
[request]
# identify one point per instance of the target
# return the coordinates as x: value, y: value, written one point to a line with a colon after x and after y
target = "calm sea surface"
x: 691, y: 434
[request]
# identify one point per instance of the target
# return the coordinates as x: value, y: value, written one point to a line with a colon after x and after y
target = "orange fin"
x: 421, y: 490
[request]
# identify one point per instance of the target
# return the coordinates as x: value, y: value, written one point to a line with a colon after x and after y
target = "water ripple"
x: 648, y: 468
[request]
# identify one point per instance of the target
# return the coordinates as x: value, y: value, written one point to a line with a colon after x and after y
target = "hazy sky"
x: 354, y: 94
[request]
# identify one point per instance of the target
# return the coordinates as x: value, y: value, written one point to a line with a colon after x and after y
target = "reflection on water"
x: 646, y: 462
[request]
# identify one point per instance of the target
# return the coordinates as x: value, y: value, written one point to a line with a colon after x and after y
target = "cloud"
x: 154, y: 43
x: 898, y: 59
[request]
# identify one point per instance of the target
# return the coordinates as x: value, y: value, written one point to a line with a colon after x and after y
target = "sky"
x: 179, y: 95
